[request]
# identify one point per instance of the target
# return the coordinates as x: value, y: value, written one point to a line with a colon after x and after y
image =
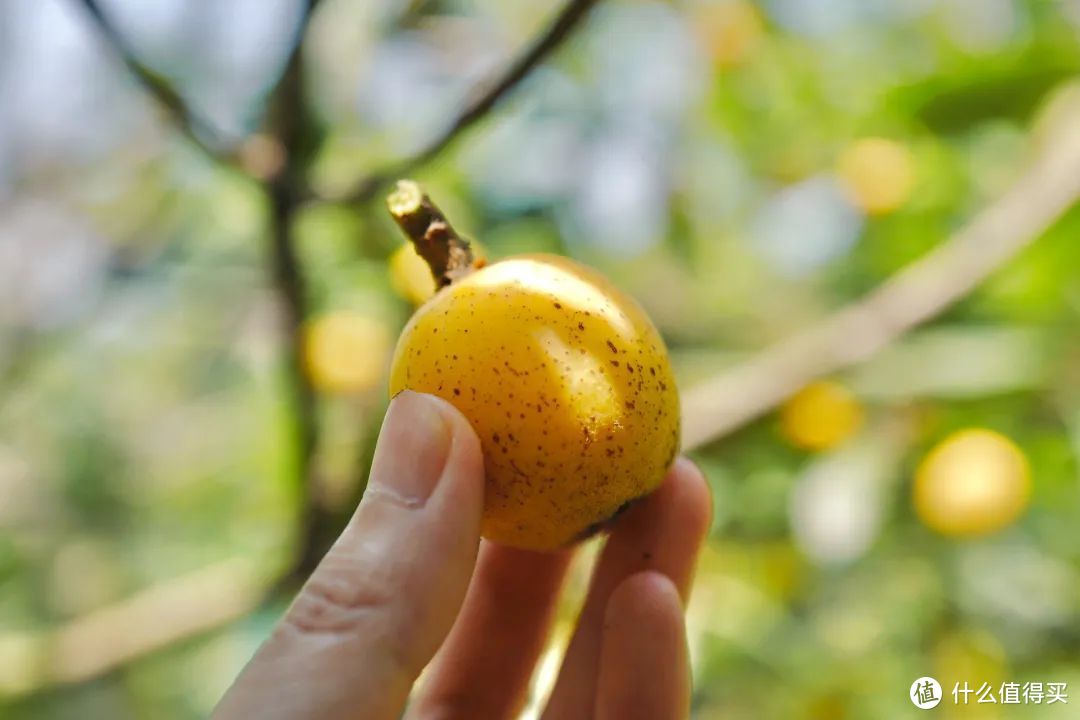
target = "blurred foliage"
x: 741, y: 168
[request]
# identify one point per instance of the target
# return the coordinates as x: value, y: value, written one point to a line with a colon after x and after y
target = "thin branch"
x: 486, y: 96
x: 187, y: 121
x: 916, y: 294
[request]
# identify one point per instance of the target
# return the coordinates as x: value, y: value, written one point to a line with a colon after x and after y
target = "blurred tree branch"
x: 192, y: 604
x: 736, y: 396
x: 189, y: 122
x: 295, y: 128
x: 485, y: 97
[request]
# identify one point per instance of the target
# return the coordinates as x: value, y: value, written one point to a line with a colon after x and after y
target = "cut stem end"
x: 446, y: 253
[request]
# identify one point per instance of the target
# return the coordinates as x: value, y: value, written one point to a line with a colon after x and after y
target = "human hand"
x: 394, y: 594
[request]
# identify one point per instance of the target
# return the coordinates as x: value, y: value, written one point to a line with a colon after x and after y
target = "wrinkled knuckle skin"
x: 367, y: 609
x: 332, y: 605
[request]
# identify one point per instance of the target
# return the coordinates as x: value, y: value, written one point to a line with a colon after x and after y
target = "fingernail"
x: 413, y: 446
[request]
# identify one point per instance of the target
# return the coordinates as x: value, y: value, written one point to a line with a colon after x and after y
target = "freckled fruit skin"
x: 567, y: 384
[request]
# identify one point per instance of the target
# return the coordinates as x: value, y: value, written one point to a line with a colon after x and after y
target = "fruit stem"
x: 447, y: 253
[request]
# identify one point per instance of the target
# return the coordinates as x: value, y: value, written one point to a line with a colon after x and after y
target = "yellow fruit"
x: 975, y: 482
x: 730, y: 31
x: 821, y: 416
x: 567, y: 384
x: 410, y: 275
x: 878, y: 174
x: 345, y: 352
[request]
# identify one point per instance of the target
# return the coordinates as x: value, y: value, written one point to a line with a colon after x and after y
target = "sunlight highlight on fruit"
x: 345, y: 352
x: 878, y: 174
x: 821, y: 416
x: 975, y: 482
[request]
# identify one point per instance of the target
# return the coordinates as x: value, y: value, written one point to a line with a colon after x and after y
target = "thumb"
x: 380, y: 603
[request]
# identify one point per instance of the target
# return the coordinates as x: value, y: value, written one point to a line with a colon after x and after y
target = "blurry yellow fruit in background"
x: 974, y: 482
x: 346, y: 352
x: 729, y: 30
x: 820, y: 416
x: 410, y: 275
x: 878, y: 174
